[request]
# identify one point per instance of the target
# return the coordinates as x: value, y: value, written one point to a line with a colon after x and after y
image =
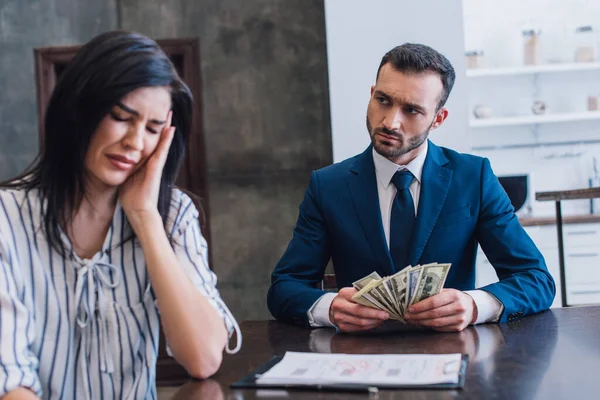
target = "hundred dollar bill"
x: 382, y: 295
x: 362, y: 282
x: 387, y: 282
x: 414, y: 275
x: 431, y: 281
x: 363, y: 297
x: 399, y: 283
x: 373, y: 296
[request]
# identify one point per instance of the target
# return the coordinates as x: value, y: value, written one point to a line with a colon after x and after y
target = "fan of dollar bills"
x: 397, y: 292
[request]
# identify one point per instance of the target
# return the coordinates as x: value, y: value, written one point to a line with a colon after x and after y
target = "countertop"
x: 575, y: 194
x: 569, y: 219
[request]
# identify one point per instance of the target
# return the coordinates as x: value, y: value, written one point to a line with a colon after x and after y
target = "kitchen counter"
x: 571, y: 219
x: 558, y: 196
x: 575, y: 194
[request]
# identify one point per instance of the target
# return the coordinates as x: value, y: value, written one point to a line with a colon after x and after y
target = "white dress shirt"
x: 489, y: 308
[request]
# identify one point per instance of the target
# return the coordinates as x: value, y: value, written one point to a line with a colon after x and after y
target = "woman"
x: 95, y: 241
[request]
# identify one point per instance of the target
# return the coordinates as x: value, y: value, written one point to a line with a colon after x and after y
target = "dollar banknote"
x: 366, y: 298
x: 431, y: 282
x: 396, y: 292
x: 399, y: 282
x: 362, y: 282
x: 414, y: 275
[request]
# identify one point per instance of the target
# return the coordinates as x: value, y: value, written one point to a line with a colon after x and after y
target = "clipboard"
x: 249, y: 381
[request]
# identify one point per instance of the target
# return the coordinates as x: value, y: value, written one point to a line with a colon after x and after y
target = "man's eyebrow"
x: 381, y: 93
x: 415, y: 106
x: 404, y: 102
x: 137, y: 114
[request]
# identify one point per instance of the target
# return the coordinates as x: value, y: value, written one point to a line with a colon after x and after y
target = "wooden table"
x: 558, y: 196
x: 551, y: 355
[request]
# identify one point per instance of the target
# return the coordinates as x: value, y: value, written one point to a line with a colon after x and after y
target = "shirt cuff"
x: 489, y: 308
x: 318, y: 313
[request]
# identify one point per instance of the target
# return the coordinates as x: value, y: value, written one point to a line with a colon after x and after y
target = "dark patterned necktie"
x: 402, y: 220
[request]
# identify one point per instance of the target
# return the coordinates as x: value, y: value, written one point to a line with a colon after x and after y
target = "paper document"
x: 363, y: 369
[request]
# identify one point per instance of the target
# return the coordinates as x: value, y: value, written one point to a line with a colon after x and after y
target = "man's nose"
x: 393, y: 120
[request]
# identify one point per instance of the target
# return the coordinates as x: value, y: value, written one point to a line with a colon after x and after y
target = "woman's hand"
x: 138, y: 195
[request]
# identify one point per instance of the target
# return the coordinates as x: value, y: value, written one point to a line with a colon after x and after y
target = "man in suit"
x: 405, y: 201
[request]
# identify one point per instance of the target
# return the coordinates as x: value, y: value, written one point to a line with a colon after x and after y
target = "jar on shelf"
x: 482, y: 111
x: 532, y: 51
x: 539, y: 107
x: 593, y: 103
x: 474, y: 59
x: 585, y: 42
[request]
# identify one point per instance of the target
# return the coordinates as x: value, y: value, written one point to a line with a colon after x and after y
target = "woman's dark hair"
x: 415, y: 58
x: 106, y: 69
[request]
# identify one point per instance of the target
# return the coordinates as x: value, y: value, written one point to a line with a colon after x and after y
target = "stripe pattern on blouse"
x: 87, y: 328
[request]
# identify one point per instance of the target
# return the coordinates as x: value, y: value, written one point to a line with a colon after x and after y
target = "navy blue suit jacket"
x: 461, y: 204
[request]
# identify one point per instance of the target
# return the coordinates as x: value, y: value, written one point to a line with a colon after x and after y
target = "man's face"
x: 402, y: 111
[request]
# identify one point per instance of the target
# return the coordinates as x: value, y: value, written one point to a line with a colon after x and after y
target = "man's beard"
x: 405, y: 147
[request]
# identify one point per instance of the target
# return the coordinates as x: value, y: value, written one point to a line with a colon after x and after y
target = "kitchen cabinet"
x: 582, y: 261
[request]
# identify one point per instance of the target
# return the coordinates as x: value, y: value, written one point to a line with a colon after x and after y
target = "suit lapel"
x: 362, y: 183
x: 435, y: 182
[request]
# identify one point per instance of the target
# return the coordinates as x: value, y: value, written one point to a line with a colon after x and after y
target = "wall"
x: 23, y: 27
x: 265, y: 106
x: 495, y: 27
x: 359, y: 33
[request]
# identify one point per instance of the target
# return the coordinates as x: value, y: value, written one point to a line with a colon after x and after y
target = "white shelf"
x: 534, y: 119
x: 533, y: 69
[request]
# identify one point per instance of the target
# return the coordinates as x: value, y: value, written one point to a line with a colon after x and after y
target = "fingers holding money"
x: 352, y: 317
x: 449, y: 311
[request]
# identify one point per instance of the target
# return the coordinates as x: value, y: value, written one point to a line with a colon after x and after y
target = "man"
x: 405, y: 201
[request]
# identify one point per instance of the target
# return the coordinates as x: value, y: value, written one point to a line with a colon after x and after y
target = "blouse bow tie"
x: 93, y: 282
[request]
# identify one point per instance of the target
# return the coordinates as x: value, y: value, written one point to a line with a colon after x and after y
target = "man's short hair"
x: 414, y: 58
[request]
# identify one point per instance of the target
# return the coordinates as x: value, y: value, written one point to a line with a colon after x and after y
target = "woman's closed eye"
x: 120, y: 118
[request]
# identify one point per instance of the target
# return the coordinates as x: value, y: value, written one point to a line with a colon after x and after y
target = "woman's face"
x: 127, y: 136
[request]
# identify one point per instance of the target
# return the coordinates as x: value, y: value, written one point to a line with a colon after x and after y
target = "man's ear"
x: 440, y: 117
x: 372, y: 90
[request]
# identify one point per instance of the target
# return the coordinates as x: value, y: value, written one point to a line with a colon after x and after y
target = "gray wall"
x: 265, y: 106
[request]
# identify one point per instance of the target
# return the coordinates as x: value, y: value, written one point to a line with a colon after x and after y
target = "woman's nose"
x: 134, y: 139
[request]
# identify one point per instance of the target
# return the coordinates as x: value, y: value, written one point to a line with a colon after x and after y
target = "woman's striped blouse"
x: 87, y: 328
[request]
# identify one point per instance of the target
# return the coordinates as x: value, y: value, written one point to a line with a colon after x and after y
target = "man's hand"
x: 351, y: 317
x: 449, y: 311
